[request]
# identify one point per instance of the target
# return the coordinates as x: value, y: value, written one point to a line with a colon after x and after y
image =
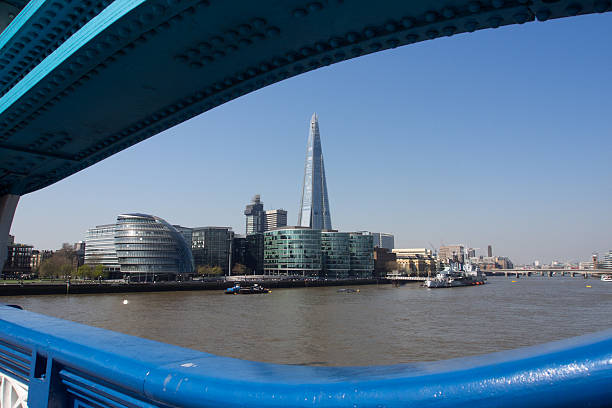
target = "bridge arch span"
x: 102, y: 77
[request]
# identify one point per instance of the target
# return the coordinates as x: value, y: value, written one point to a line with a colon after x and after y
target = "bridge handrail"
x: 71, y: 361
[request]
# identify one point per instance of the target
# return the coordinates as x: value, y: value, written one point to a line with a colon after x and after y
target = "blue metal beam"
x: 80, y: 81
x: 71, y: 362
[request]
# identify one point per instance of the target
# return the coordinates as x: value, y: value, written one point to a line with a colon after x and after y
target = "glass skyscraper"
x: 314, y: 208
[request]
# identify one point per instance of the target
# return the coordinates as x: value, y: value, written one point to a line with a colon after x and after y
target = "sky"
x: 500, y: 137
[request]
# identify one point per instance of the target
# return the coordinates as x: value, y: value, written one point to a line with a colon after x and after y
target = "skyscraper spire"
x: 314, y: 208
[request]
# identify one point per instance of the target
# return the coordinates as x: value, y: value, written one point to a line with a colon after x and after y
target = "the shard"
x: 314, y: 208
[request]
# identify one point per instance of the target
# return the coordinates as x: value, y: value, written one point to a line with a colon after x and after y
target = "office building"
x: 39, y: 256
x: 335, y: 254
x: 255, y: 216
x: 186, y: 232
x: 212, y: 246
x: 607, y: 261
x: 361, y: 255
x: 418, y: 260
x: 100, y: 248
x: 383, y: 240
x: 293, y: 251
x: 314, y: 209
x: 255, y: 254
x: 275, y: 219
x: 308, y: 252
x: 490, y: 251
x: 148, y: 248
x: 79, y: 252
x: 385, y: 261
x: 18, y: 261
x: 450, y: 253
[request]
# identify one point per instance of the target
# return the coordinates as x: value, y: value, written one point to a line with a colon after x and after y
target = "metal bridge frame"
x: 68, y: 364
x: 55, y: 51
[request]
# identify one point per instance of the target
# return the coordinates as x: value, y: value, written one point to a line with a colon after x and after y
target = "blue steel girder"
x: 66, y: 364
x: 83, y: 80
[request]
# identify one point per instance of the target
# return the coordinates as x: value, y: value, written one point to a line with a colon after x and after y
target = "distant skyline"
x: 497, y: 137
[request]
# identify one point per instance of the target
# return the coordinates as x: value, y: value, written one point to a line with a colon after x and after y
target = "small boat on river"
x: 606, y: 278
x: 247, y: 290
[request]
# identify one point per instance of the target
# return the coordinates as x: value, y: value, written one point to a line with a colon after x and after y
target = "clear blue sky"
x: 500, y: 137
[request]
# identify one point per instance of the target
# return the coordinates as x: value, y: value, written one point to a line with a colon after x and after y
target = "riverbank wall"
x: 92, y: 288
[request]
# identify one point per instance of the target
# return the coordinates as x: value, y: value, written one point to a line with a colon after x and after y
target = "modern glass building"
x: 314, y: 207
x: 361, y: 254
x: 382, y: 239
x: 212, y: 246
x: 100, y: 248
x: 255, y: 216
x: 148, y: 248
x: 292, y: 251
x: 335, y: 251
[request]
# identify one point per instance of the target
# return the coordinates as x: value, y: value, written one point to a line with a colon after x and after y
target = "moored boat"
x: 606, y: 278
x: 247, y: 290
x: 457, y: 275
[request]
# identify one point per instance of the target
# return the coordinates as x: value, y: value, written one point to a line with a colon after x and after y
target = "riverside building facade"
x: 212, y: 246
x: 139, y: 247
x: 149, y: 248
x: 361, y: 255
x: 336, y: 254
x: 100, y: 248
x: 306, y: 252
x: 294, y: 251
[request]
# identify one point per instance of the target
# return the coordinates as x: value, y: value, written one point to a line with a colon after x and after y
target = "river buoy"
x: 588, y: 286
x: 125, y: 301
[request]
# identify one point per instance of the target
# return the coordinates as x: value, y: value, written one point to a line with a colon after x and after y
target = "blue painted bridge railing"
x: 64, y: 364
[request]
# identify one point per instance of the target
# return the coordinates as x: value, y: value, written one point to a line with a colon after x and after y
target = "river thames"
x: 380, y: 324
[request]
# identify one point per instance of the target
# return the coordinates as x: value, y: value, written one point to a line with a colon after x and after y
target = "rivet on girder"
x: 495, y: 21
x: 602, y: 6
x: 299, y: 12
x: 352, y: 37
x: 272, y: 32
x: 498, y: 3
x: 393, y: 42
x: 573, y: 9
x: 369, y: 32
x: 258, y: 22
x: 449, y: 30
x: 543, y: 14
x: 431, y: 16
x: 315, y: 6
x: 471, y: 25
x: 520, y: 17
x: 431, y: 34
x: 407, y: 22
x: 448, y: 12
x: 335, y: 42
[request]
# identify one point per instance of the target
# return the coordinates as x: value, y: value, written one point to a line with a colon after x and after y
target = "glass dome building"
x: 148, y: 248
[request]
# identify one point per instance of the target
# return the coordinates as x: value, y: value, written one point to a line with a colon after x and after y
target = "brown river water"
x: 380, y: 324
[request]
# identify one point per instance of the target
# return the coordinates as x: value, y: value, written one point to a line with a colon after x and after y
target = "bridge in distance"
x: 83, y: 80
